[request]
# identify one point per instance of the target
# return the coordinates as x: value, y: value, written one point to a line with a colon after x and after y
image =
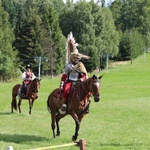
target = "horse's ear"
x: 38, y: 79
x: 94, y: 76
x: 100, y: 77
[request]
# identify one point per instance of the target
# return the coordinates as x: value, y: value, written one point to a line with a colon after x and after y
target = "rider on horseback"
x: 73, y: 72
x: 27, y: 77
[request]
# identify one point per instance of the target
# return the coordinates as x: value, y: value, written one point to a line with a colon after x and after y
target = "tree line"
x: 35, y: 32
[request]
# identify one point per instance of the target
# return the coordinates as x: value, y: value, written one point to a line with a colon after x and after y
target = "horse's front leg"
x: 30, y: 105
x: 75, y: 136
x: 77, y: 123
x: 19, y: 104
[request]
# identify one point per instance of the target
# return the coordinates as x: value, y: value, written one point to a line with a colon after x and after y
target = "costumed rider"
x: 27, y: 77
x: 74, y: 71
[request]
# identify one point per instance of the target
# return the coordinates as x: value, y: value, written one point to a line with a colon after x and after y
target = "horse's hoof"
x: 74, y: 138
x: 57, y: 134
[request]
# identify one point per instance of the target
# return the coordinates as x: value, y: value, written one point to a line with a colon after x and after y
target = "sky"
x: 106, y: 1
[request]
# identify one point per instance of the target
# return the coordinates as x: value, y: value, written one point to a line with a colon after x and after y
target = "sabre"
x: 22, y: 68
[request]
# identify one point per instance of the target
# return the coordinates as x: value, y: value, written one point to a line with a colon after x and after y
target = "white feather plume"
x: 71, y: 40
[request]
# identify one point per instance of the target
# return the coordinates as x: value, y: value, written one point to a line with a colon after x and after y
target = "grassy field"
x: 120, y: 121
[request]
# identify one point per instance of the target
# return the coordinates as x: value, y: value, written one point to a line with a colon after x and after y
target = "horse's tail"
x: 14, y: 95
x: 14, y: 103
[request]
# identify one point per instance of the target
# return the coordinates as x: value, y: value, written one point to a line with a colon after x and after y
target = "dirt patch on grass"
x: 114, y: 64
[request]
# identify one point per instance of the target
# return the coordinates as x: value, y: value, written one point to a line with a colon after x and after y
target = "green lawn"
x: 120, y: 121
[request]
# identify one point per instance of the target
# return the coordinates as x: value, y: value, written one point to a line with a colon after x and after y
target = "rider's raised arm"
x: 23, y: 76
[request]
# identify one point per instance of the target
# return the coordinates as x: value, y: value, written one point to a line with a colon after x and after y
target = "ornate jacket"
x: 74, y: 72
x: 27, y: 77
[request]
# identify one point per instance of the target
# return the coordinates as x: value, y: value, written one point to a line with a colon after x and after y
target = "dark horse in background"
x: 78, y: 103
x: 32, y: 94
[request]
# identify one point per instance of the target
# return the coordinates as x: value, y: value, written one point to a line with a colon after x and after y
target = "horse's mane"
x: 90, y: 78
x: 87, y: 82
x: 37, y: 79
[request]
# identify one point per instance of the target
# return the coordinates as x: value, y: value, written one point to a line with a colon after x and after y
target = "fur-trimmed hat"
x: 75, y: 55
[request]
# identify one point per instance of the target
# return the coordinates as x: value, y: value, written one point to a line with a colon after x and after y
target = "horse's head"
x: 95, y: 87
x: 36, y: 85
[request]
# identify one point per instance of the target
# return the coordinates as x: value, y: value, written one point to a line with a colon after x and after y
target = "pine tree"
x: 56, y: 41
x: 8, y: 59
x: 29, y: 34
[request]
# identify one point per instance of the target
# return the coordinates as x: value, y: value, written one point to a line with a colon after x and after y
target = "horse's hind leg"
x: 53, y: 118
x: 19, y: 104
x: 11, y: 107
x: 57, y: 124
x: 58, y: 117
x: 13, y: 103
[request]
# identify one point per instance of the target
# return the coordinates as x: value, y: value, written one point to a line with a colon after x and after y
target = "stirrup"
x: 62, y: 110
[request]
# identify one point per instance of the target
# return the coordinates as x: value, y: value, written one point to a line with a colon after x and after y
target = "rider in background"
x: 74, y: 71
x: 27, y: 77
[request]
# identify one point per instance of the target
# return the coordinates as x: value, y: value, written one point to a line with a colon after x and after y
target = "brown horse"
x: 78, y: 103
x: 32, y: 94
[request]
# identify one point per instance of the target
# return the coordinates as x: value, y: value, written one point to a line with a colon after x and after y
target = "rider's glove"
x: 80, y: 80
x: 61, y: 84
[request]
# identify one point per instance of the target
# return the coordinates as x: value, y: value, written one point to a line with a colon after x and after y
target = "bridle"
x: 91, y: 88
x: 35, y: 85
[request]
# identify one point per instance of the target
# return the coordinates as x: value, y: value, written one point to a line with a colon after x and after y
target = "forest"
x: 35, y: 32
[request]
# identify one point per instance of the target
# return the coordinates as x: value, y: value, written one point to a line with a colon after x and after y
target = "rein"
x: 31, y: 85
x: 84, y: 88
x: 87, y: 87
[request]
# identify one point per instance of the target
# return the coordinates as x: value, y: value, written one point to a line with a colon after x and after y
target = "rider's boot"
x: 63, y: 109
x: 23, y: 90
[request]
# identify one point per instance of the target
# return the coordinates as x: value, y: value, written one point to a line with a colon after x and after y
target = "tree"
x: 59, y: 6
x: 133, y: 15
x: 29, y: 34
x: 11, y: 7
x: 66, y: 18
x: 110, y: 38
x: 56, y: 40
x: 131, y: 45
x: 7, y: 52
x: 38, y: 38
x: 115, y: 8
x: 80, y: 21
x: 93, y: 28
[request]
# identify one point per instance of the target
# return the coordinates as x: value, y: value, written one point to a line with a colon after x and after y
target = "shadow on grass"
x: 16, y: 138
x: 5, y: 113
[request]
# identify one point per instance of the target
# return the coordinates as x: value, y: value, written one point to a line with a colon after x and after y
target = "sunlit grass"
x: 119, y: 121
